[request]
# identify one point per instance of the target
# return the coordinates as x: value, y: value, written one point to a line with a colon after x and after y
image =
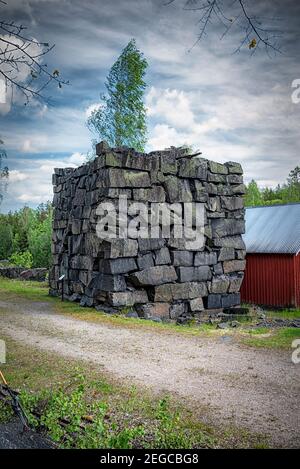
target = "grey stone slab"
x: 128, y: 298
x: 194, y: 168
x: 205, y: 258
x: 117, y: 266
x: 162, y: 256
x: 194, y: 274
x: 156, y: 275
x: 234, y: 266
x: 227, y: 227
x: 182, y: 258
x: 180, y: 291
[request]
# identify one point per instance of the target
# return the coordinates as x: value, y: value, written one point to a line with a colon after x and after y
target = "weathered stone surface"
x: 212, y: 301
x: 106, y: 309
x: 194, y: 168
x: 182, y: 258
x: 234, y: 266
x: 194, y: 274
x: 232, y: 203
x: 230, y: 242
x: 145, y: 261
x: 102, y: 147
x: 135, y: 161
x: 234, y: 168
x: 153, y: 194
x: 38, y: 274
x: 217, y: 168
x: 128, y: 298
x: 200, y: 191
x: 79, y: 197
x: 93, y: 244
x: 218, y: 178
x: 233, y: 299
x: 235, y: 284
x: 239, y: 189
x: 156, y: 275
x: 81, y: 262
x: 227, y: 227
x: 86, y: 301
x: 168, y: 163
x: 151, y: 310
x: 196, y: 304
x: 151, y: 244
x: 115, y: 177
x: 218, y: 269
x: 104, y: 282
x: 118, y: 266
x: 226, y: 254
x: 120, y: 248
x: 177, y: 291
x: 181, y: 274
x: 234, y: 179
x: 205, y: 258
x: 213, y: 205
x: 240, y: 254
x: 186, y: 244
x: 219, y: 285
x: 177, y: 309
x: 177, y: 190
x: 114, y: 192
x: 162, y: 256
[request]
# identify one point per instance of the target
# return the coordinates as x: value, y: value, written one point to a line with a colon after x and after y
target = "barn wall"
x: 269, y: 280
x: 297, y: 279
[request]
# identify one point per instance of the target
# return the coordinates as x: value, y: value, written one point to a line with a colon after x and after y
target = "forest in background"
x: 25, y: 235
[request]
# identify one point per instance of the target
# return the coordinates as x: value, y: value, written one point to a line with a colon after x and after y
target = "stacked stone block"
x: 163, y: 277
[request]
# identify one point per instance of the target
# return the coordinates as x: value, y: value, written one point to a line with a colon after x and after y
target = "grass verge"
x: 280, y: 338
x: 101, y: 412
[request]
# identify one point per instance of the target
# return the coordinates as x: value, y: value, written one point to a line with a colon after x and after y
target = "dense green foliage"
x: 25, y: 236
x: 282, y: 194
x: 121, y: 120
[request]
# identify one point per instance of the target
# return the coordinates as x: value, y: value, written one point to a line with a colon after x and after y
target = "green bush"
x: 21, y: 259
x: 39, y: 240
x: 6, y: 241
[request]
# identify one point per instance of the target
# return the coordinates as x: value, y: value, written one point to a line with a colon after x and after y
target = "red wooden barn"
x: 272, y: 276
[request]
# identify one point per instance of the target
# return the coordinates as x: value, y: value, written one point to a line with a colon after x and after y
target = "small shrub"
x: 21, y: 259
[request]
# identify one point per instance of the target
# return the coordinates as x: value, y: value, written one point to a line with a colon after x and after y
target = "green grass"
x: 38, y: 292
x: 284, y: 314
x: 280, y: 338
x: 269, y: 338
x: 121, y: 416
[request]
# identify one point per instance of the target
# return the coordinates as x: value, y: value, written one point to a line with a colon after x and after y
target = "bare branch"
x: 217, y: 12
x: 21, y: 62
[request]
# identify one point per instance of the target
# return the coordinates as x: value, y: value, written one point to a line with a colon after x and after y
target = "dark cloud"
x: 237, y: 106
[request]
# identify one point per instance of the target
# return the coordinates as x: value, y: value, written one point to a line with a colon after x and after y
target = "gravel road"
x: 227, y: 383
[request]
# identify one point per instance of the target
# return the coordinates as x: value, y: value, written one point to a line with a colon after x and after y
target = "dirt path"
x: 255, y: 389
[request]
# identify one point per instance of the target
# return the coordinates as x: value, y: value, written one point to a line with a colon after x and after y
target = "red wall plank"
x: 270, y: 280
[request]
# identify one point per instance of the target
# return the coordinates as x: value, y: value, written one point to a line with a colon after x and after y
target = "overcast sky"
x: 231, y: 106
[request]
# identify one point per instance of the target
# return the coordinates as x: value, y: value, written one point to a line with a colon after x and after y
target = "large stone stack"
x: 163, y: 277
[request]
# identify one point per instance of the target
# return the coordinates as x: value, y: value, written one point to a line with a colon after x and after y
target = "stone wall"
x: 162, y: 277
x: 38, y: 274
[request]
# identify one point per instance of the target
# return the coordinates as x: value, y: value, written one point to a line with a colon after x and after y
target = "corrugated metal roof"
x: 273, y: 229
